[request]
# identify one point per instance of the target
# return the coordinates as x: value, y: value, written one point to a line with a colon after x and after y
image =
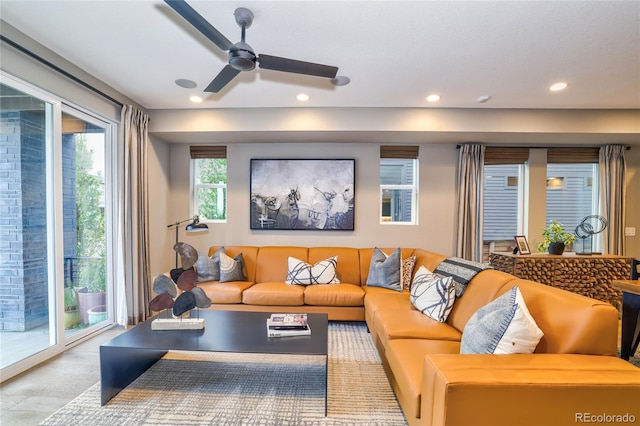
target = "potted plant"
x: 71, y: 314
x: 555, y: 238
x: 91, y: 277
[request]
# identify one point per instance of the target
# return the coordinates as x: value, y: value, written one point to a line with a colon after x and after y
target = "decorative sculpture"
x: 590, y: 226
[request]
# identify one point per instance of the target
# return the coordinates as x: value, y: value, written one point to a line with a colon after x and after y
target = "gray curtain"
x: 470, y: 202
x: 613, y: 196
x: 133, y: 238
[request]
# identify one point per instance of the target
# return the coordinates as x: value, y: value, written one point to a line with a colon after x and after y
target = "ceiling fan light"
x: 242, y: 60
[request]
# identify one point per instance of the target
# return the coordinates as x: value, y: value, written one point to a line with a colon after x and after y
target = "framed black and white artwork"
x: 300, y: 194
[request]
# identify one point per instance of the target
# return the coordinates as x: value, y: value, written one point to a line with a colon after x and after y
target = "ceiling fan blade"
x: 199, y: 23
x: 222, y: 79
x: 299, y: 67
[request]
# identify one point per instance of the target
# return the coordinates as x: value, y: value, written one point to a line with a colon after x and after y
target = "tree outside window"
x: 210, y: 188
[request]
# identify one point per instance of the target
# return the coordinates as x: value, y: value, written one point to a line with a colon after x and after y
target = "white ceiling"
x: 394, y: 52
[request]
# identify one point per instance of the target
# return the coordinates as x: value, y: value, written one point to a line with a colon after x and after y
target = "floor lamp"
x: 194, y: 226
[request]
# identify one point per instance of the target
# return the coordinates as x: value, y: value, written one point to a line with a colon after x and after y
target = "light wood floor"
x: 31, y: 397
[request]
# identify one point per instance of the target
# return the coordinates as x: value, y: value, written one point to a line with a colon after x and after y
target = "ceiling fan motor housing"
x: 241, y: 57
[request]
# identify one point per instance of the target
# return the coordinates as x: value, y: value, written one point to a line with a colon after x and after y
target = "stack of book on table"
x: 282, y: 325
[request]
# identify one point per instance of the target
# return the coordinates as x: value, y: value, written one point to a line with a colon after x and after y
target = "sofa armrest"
x: 550, y: 389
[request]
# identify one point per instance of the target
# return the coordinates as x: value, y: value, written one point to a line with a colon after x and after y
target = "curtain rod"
x: 626, y: 147
x: 58, y: 69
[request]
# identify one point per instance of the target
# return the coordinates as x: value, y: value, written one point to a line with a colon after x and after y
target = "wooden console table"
x: 590, y: 276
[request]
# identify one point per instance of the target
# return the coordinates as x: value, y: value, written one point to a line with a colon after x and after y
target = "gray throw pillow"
x: 503, y: 326
x: 384, y: 270
x: 232, y: 269
x: 209, y: 267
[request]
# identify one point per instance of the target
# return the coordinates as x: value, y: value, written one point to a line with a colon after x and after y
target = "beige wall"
x: 435, y: 231
x: 437, y: 201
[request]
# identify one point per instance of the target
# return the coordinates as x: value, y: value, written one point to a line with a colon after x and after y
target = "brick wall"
x: 23, y: 238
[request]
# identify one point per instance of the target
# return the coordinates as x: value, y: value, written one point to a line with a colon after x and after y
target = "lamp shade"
x: 196, y: 226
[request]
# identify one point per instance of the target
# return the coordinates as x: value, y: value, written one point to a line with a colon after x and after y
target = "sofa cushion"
x: 232, y: 269
x: 406, y: 360
x: 209, y: 267
x: 384, y: 270
x: 392, y: 324
x: 384, y: 300
x: 334, y: 295
x: 433, y: 295
x: 225, y: 293
x: 303, y: 273
x: 503, y: 326
x: 571, y: 323
x: 274, y: 293
x: 348, y: 267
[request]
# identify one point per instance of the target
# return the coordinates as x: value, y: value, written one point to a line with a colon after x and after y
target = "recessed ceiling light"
x: 196, y: 99
x: 433, y: 98
x: 556, y: 87
x: 187, y: 84
x: 483, y: 99
x: 302, y: 97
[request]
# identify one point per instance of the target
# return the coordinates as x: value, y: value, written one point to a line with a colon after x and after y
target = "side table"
x: 630, y: 316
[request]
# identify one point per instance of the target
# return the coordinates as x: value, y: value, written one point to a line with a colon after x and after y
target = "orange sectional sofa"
x: 572, y: 377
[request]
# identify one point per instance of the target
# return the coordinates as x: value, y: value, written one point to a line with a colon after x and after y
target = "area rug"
x: 200, y: 388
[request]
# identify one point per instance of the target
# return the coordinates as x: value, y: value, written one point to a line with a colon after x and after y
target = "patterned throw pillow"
x: 232, y: 269
x: 323, y: 272
x: 461, y: 270
x: 385, y: 270
x: 433, y: 295
x: 503, y: 326
x: 209, y: 267
x: 407, y: 271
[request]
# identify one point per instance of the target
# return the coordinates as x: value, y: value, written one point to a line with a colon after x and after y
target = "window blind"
x: 208, y: 151
x: 573, y: 155
x: 399, y: 151
x: 494, y: 155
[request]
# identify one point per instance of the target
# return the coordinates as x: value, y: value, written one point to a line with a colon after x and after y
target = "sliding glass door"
x: 56, y: 165
x: 84, y: 224
x: 27, y: 272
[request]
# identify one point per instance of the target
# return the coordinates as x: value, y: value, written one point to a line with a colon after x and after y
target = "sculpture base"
x: 177, y: 324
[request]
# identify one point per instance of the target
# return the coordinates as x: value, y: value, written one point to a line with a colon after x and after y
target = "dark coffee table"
x: 130, y: 354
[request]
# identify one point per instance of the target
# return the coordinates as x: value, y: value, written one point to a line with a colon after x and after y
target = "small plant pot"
x: 97, y: 314
x: 71, y: 319
x: 556, y: 248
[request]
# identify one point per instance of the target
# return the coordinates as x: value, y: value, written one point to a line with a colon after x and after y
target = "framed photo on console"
x: 522, y: 244
x: 302, y: 194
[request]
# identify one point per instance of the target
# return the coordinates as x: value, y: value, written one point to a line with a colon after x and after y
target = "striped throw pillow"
x: 433, y: 295
x: 302, y: 273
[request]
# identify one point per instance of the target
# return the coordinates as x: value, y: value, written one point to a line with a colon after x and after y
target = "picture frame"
x: 302, y: 194
x: 522, y: 245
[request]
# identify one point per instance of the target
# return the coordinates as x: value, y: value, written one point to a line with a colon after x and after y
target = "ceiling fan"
x: 241, y: 56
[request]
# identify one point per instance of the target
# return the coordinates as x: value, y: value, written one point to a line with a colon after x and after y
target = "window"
x: 209, y: 165
x: 573, y: 189
x: 503, y: 198
x: 502, y: 205
x: 575, y: 197
x: 398, y: 184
